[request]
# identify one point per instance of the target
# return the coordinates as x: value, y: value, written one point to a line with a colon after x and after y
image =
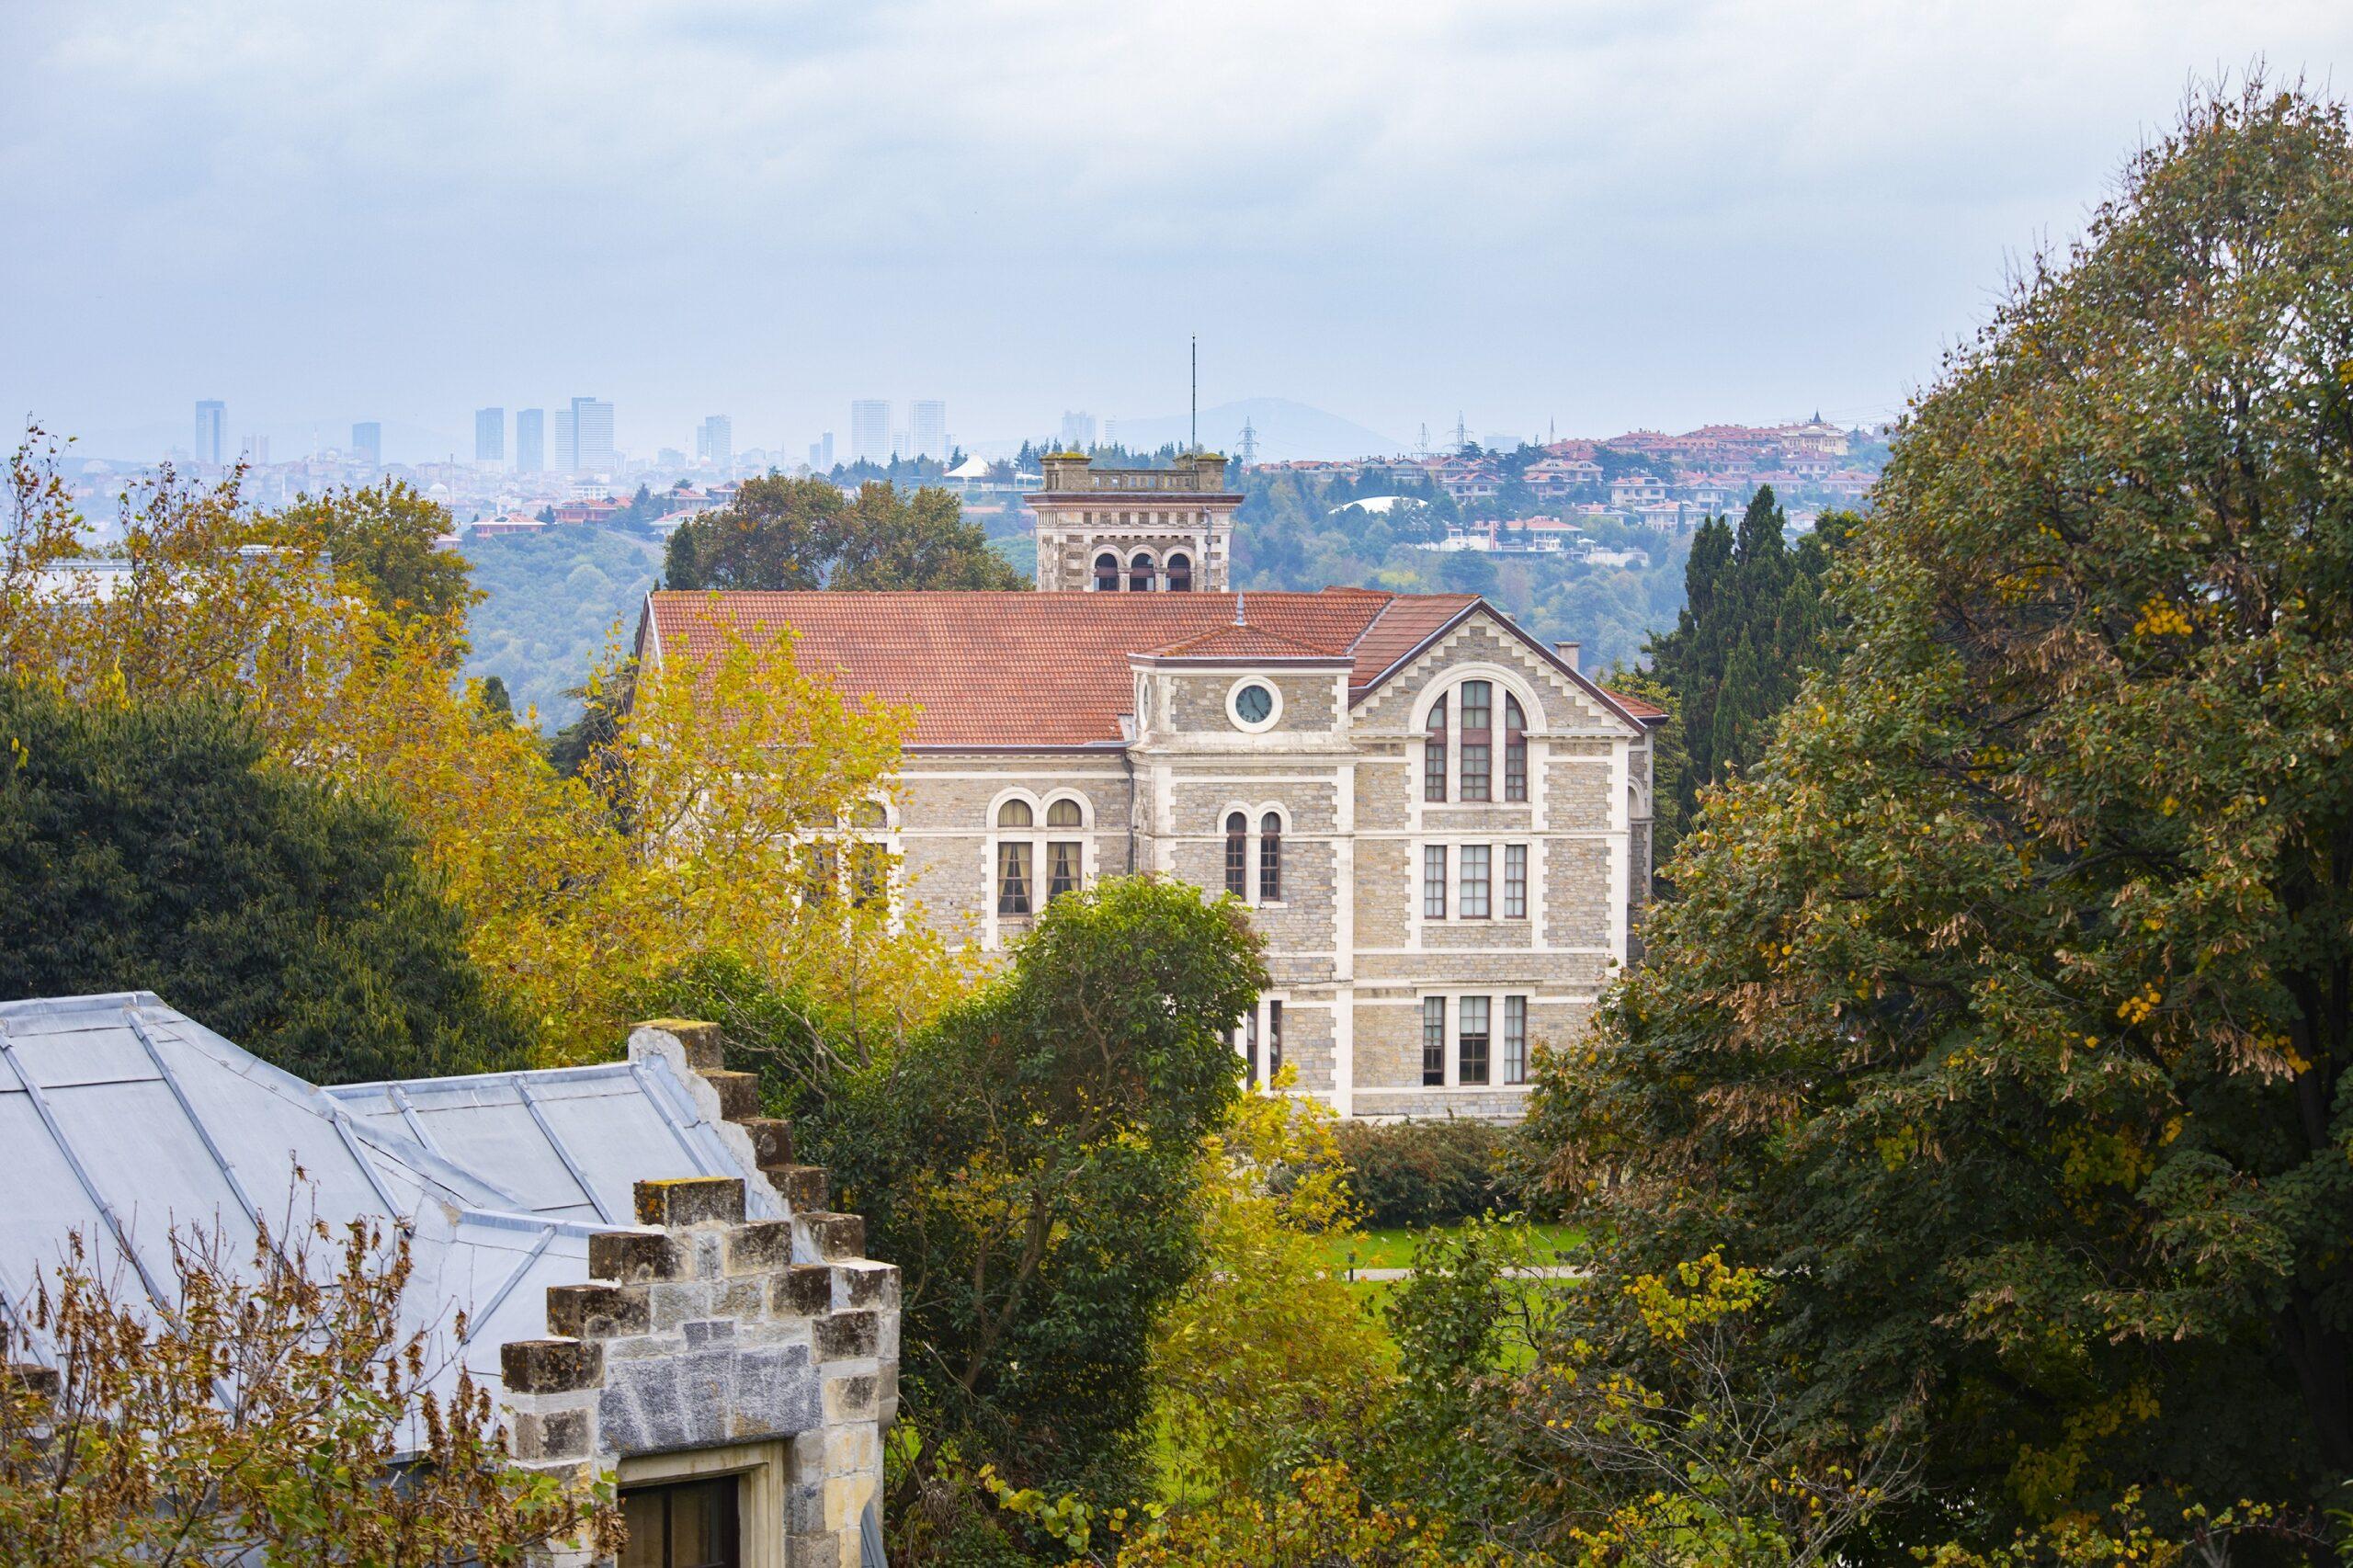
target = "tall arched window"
x: 1237, y: 854
x: 1106, y: 573
x: 1013, y: 883
x: 1140, y: 573
x: 1065, y: 857
x: 1515, y: 750
x: 1270, y: 859
x: 1180, y: 574
x: 1434, y: 753
x: 869, y: 861
x: 1478, y: 741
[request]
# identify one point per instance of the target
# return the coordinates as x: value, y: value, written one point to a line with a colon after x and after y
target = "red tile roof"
x: 1050, y: 669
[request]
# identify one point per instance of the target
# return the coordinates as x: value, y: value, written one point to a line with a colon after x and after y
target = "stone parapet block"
x: 705, y: 1047
x: 636, y: 1258
x: 804, y: 1291
x: 771, y: 1140
x: 759, y: 1248
x: 826, y: 1238
x: 690, y: 1201
x: 739, y: 1092
x: 861, y: 1283
x: 551, y: 1366
x: 800, y: 1187
x: 599, y: 1311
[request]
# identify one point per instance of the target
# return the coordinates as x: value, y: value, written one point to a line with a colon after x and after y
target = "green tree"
x: 384, y: 538
x: 1751, y: 622
x: 151, y: 848
x: 2005, y: 1016
x: 1030, y: 1161
x: 787, y: 533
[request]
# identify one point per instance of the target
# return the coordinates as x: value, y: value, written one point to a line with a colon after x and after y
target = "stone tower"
x: 1134, y: 529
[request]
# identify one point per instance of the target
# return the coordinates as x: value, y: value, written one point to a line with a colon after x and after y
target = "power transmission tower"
x: 1461, y: 432
x: 1249, y: 442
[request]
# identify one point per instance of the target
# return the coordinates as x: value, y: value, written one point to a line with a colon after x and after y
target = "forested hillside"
x: 1294, y: 533
x: 554, y: 599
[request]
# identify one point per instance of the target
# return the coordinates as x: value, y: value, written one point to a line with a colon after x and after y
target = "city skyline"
x: 1596, y: 216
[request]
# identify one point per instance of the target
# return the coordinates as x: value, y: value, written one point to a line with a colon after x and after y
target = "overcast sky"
x: 1651, y: 212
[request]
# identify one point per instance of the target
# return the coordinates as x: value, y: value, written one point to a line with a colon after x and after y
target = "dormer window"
x: 1473, y: 755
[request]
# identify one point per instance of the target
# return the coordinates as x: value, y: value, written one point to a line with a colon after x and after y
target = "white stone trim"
x: 1233, y: 704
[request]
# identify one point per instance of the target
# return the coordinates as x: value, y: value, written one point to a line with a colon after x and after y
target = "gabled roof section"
x: 1011, y: 671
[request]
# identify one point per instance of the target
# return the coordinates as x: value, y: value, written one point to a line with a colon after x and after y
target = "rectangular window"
x: 1274, y: 1040
x: 1270, y: 859
x: 1433, y: 1041
x: 1472, y: 904
x: 869, y: 874
x: 1062, y: 863
x: 817, y: 874
x: 692, y: 1525
x: 1250, y: 1047
x: 1434, y: 881
x: 1515, y: 881
x: 1013, y: 879
x: 1515, y: 750
x: 1515, y: 1040
x: 1477, y: 741
x: 1470, y: 1040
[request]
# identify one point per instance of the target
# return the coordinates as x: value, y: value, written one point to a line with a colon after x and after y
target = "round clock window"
x: 1253, y: 704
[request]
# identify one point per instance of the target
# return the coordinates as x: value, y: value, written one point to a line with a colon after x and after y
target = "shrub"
x: 1427, y: 1173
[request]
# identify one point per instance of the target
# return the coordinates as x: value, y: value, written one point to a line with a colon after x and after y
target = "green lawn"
x: 1394, y: 1249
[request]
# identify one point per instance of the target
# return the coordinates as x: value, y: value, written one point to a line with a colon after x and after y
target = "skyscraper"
x: 820, y: 453
x: 869, y: 430
x: 715, y: 442
x: 592, y: 427
x: 367, y: 443
x: 567, y: 442
x: 1078, y: 430
x: 210, y: 439
x: 530, y: 440
x: 490, y: 436
x: 927, y: 429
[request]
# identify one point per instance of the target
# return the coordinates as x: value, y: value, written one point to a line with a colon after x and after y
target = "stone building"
x: 1440, y: 826
x: 1134, y: 529
x: 655, y: 1292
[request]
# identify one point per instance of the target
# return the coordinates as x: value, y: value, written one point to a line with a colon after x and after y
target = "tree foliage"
x: 781, y: 532
x: 155, y: 848
x: 278, y: 1413
x: 385, y: 538
x: 2003, y: 1013
x: 1030, y: 1161
x: 1752, y: 619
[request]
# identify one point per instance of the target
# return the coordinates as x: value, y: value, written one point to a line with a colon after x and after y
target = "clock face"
x: 1254, y: 703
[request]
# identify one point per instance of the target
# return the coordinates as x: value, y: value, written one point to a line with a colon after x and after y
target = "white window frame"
x: 1498, y: 1000
x: 1038, y: 838
x: 1253, y: 842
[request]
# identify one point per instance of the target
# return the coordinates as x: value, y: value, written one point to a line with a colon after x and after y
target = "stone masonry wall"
x: 699, y: 1328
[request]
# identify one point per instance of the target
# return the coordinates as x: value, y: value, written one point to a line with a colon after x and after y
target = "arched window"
x: 1434, y: 753
x: 1140, y: 573
x: 1237, y: 854
x: 1180, y: 574
x: 1013, y: 883
x: 870, y: 862
x: 1066, y: 858
x: 1270, y: 859
x: 1515, y: 750
x: 1478, y: 741
x: 1106, y: 573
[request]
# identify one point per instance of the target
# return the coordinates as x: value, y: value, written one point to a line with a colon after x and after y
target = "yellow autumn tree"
x: 723, y: 815
x: 1268, y: 1346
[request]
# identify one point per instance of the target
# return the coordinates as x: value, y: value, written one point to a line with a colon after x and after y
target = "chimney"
x: 1568, y: 651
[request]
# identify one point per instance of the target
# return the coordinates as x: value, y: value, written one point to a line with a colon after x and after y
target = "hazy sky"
x: 1607, y: 214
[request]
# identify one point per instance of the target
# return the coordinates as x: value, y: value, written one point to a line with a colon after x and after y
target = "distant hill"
x: 554, y: 599
x: 1285, y: 430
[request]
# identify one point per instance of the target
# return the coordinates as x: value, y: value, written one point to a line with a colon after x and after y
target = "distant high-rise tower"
x: 367, y: 443
x: 1078, y: 430
x: 254, y: 451
x: 715, y: 442
x: 592, y: 429
x: 869, y: 430
x: 490, y: 436
x: 927, y: 429
x: 530, y: 440
x: 820, y: 453
x: 567, y: 442
x: 211, y: 440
